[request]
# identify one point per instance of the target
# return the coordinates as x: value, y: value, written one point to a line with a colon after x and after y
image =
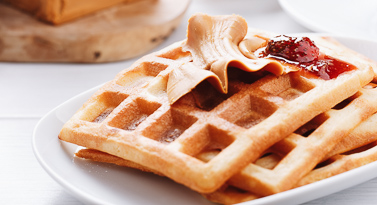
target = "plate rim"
x: 314, y: 26
x: 73, y: 190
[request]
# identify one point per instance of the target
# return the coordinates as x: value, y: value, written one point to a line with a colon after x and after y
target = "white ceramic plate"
x: 101, y: 183
x: 344, y: 17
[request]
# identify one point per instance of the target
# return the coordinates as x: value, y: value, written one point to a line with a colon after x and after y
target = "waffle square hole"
x: 169, y: 126
x: 346, y: 102
x: 103, y: 115
x: 308, y: 128
x: 288, y: 86
x: 269, y: 160
x: 213, y: 141
x: 358, y: 150
x: 141, y: 74
x: 106, y: 103
x: 249, y: 111
x: 325, y: 163
x: 133, y: 114
x: 206, y: 97
x: 361, y: 149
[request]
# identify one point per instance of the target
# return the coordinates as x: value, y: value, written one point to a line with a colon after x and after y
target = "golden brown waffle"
x: 341, y: 163
x: 308, y: 152
x: 354, y: 150
x: 272, y: 169
x: 131, y: 117
x: 99, y: 156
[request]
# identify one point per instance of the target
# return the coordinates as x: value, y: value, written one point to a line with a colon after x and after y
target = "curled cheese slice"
x: 213, y: 42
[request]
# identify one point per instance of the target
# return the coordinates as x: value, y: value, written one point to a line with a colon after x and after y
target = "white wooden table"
x: 29, y: 90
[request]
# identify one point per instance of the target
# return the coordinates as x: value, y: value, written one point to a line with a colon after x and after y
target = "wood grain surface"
x: 118, y: 33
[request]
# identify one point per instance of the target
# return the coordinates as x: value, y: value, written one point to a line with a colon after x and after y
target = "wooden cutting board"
x: 113, y: 34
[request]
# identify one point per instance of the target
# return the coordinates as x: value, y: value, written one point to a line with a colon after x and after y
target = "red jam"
x: 326, y: 67
x: 292, y: 48
x: 302, y: 51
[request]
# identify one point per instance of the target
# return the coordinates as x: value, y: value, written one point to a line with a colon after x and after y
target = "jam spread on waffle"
x: 326, y: 67
x: 302, y: 51
x: 297, y: 49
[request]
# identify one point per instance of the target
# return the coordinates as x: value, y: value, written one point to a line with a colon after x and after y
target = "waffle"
x: 132, y: 117
x: 284, y: 165
x: 358, y: 148
x: 305, y: 156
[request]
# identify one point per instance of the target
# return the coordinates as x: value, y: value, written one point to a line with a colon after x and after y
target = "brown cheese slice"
x: 214, y: 43
x: 60, y: 11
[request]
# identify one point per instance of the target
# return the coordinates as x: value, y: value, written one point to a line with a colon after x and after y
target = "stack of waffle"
x: 263, y: 127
